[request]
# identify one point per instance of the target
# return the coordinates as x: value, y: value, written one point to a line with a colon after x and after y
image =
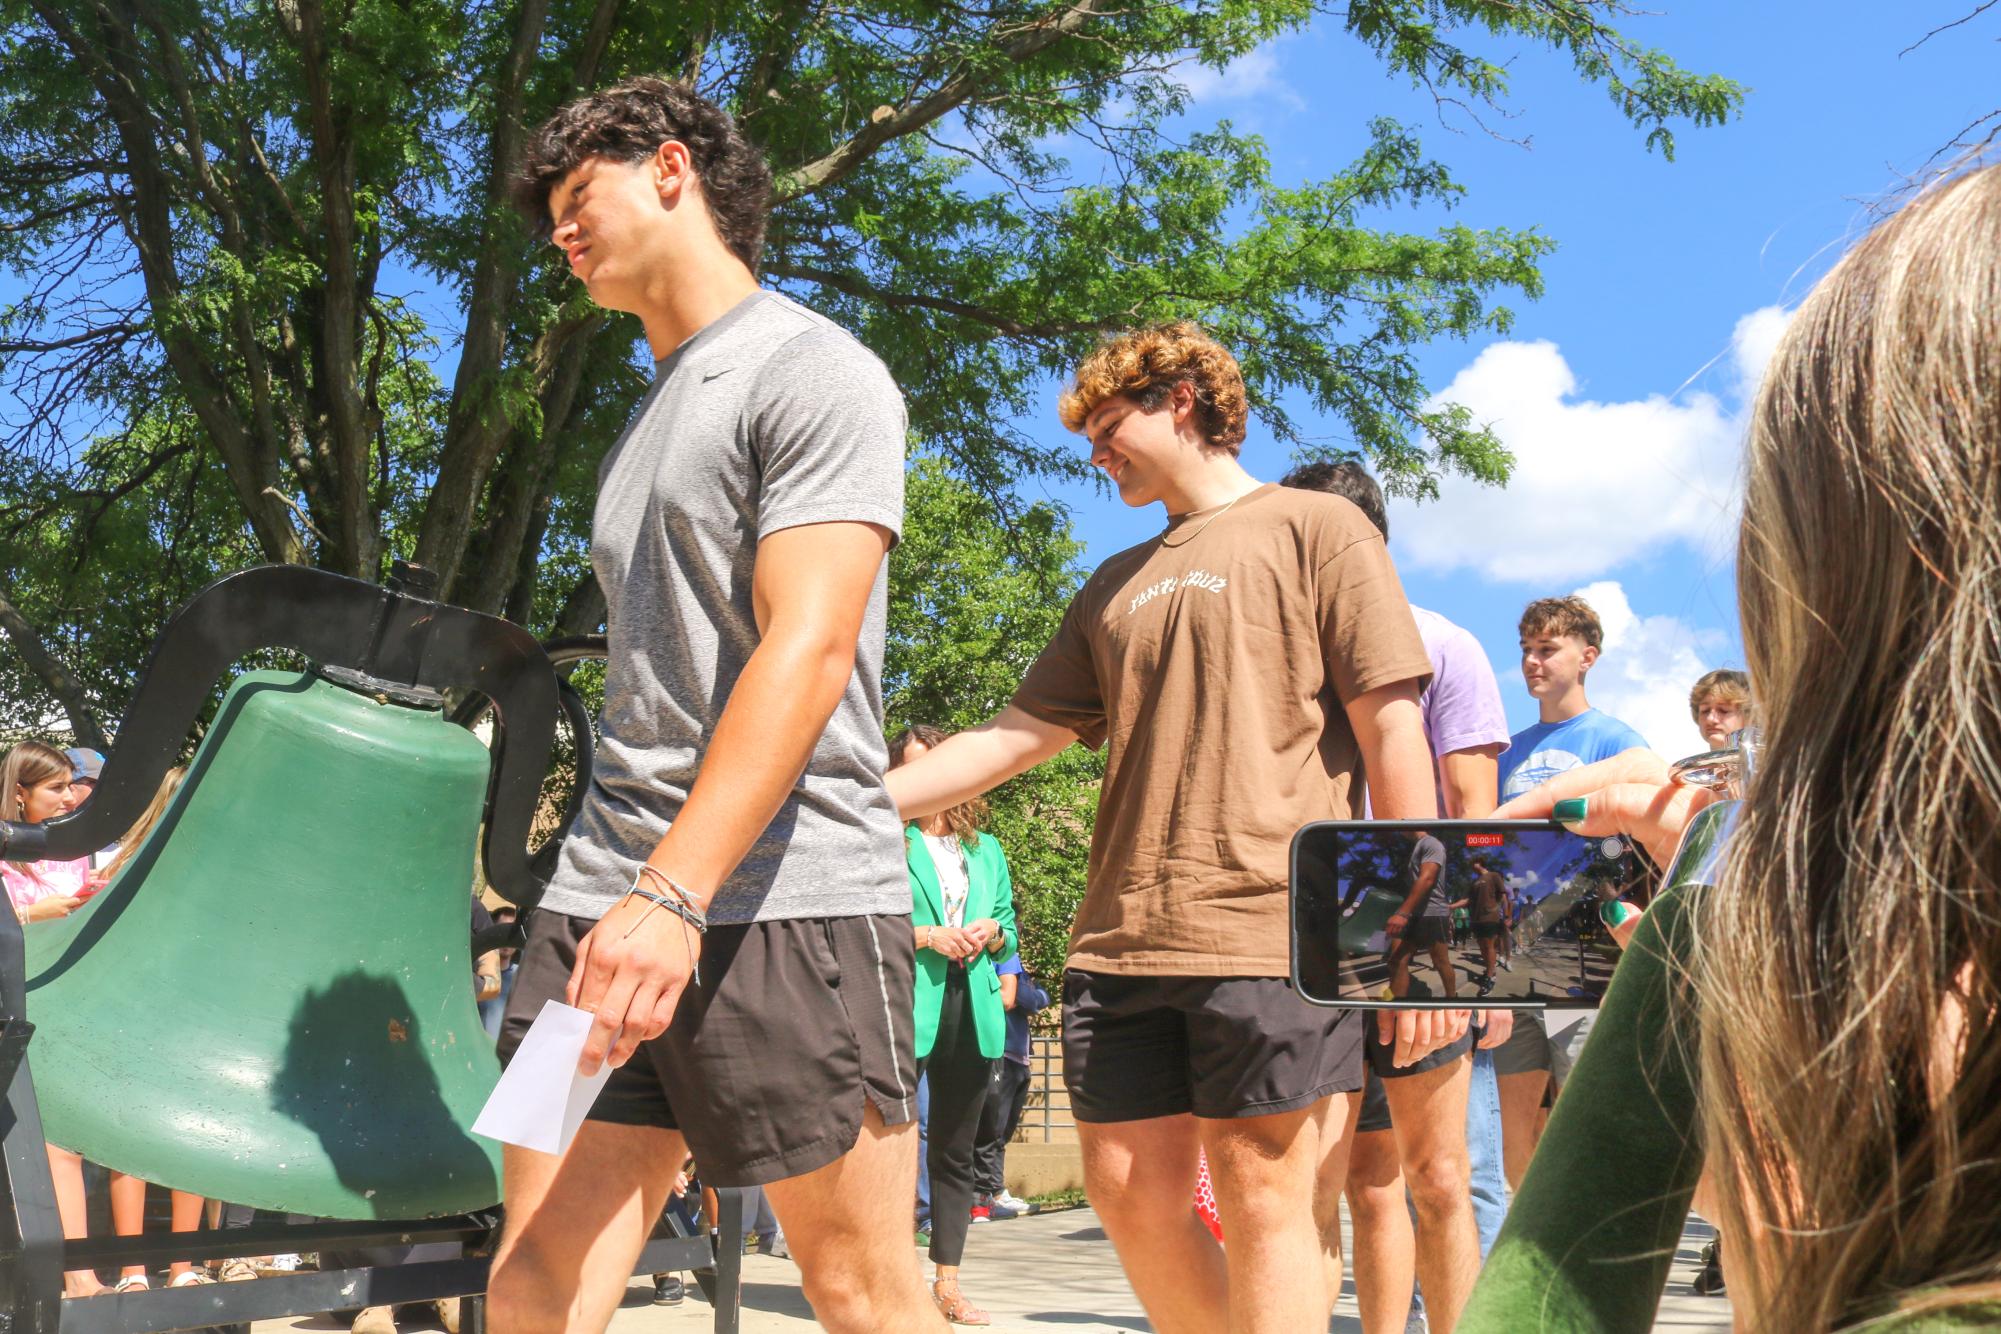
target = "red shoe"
x: 982, y: 1214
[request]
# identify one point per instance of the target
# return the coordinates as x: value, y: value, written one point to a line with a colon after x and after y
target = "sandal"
x: 135, y: 1283
x: 955, y: 1307
x: 190, y: 1278
x: 238, y: 1271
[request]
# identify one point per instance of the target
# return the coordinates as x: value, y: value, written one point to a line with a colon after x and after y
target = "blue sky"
x: 1621, y: 391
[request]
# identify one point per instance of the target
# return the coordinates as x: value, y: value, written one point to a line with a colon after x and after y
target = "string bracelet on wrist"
x: 679, y: 902
x: 674, y: 889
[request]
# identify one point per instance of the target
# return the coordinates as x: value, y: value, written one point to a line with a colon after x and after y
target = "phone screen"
x: 1456, y: 913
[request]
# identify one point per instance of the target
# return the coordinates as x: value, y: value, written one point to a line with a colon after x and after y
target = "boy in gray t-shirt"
x: 731, y: 903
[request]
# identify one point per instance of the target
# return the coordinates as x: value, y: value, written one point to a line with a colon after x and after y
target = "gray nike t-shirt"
x: 771, y: 417
x: 1425, y: 852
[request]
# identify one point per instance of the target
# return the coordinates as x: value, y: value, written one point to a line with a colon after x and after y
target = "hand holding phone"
x: 1373, y: 926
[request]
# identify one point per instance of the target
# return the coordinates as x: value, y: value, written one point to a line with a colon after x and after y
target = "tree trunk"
x: 583, y: 610
x: 54, y: 673
x: 477, y: 428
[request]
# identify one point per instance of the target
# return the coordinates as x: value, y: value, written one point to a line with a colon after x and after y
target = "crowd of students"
x: 752, y: 891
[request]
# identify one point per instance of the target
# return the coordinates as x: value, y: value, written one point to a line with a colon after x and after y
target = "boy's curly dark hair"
x: 628, y: 123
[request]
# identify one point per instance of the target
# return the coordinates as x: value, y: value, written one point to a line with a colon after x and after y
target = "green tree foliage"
x: 266, y: 301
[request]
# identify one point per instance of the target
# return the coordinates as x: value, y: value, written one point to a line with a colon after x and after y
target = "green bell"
x: 273, y: 1003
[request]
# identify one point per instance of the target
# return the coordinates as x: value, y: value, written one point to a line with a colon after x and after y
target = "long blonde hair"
x: 28, y: 764
x: 170, y: 782
x: 1856, y: 1148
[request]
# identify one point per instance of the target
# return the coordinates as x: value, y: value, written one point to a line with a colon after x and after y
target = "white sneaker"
x: 1018, y: 1205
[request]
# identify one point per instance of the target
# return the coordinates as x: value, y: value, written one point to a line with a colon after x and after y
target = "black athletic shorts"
x: 1424, y: 932
x: 1486, y: 930
x: 1375, y: 1107
x: 768, y: 1062
x: 1140, y: 1047
x: 1380, y: 1055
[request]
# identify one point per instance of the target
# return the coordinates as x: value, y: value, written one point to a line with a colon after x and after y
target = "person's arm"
x: 1389, y: 729
x: 487, y: 974
x: 1631, y: 794
x: 1010, y: 984
x: 810, y: 590
x: 1427, y: 876
x: 1469, y: 782
x: 50, y: 908
x: 968, y: 763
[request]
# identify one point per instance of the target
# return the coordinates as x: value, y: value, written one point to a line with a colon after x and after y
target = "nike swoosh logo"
x: 716, y: 375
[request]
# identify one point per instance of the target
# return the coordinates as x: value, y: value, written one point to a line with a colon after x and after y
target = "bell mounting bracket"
x: 394, y: 635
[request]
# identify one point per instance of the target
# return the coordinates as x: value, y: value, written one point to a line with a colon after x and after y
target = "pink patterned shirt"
x: 31, y: 882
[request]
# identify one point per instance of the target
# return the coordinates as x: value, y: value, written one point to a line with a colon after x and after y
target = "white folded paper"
x: 541, y: 1101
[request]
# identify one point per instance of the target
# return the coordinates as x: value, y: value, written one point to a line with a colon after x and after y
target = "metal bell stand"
x: 34, y: 1254
x: 392, y: 634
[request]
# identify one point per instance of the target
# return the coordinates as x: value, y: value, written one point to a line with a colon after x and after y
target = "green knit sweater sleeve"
x: 1590, y: 1235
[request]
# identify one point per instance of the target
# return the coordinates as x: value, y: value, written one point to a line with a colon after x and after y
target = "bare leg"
x: 1429, y: 1115
x: 1400, y: 967
x: 1140, y: 1176
x: 575, y: 1226
x: 128, y: 1215
x: 1441, y: 959
x: 848, y: 1226
x: 186, y: 1217
x: 1264, y: 1168
x: 1385, y: 1249
x: 1487, y: 955
x: 67, y: 1168
x: 1336, y: 1170
x: 1521, y: 1121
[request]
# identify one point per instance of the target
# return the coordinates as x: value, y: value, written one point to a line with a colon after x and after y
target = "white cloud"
x: 1646, y: 669
x: 1595, y: 484
x: 1752, y: 343
x: 1254, y: 74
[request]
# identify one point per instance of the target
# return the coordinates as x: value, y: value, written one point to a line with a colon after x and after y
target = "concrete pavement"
x: 1049, y: 1273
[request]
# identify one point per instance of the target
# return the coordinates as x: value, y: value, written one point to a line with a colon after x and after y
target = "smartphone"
x: 1457, y: 914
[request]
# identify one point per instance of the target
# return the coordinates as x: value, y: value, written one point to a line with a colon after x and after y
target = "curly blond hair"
x: 1146, y: 364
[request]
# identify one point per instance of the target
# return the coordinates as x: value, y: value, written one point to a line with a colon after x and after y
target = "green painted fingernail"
x: 1614, y: 913
x: 1569, y: 811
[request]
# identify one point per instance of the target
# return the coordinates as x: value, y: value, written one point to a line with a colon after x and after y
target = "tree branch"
x: 54, y: 674
x: 852, y: 286
x: 1963, y: 19
x: 1030, y: 41
x: 477, y: 427
x: 122, y: 330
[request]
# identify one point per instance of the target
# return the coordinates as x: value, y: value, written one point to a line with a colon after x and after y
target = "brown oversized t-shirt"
x: 1215, y: 660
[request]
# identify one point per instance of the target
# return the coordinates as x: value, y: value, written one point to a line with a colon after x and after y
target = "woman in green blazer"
x: 962, y: 910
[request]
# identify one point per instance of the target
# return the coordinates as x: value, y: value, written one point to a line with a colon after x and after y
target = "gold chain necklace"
x: 1211, y: 519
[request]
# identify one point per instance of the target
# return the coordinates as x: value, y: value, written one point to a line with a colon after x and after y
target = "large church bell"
x: 272, y: 1004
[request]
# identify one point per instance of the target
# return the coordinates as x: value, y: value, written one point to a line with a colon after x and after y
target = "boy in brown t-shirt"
x: 1243, y: 667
